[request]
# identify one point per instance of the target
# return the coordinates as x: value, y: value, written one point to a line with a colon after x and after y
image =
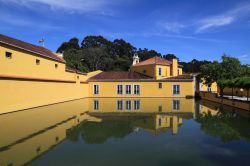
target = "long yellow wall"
x: 236, y: 91
x: 148, y: 89
x: 24, y: 84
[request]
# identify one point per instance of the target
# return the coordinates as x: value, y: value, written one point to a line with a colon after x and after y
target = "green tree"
x: 243, y: 82
x: 193, y: 66
x: 123, y: 48
x: 95, y: 58
x: 74, y: 59
x: 71, y: 44
x: 146, y: 54
x: 211, y: 72
x: 231, y: 67
x: 170, y: 57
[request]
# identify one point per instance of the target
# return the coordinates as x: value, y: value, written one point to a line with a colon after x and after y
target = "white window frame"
x: 175, y: 106
x: 117, y: 89
x: 134, y: 89
x: 96, y: 105
x: 137, y: 104
x: 173, y: 89
x: 127, y: 91
x: 130, y: 105
x: 97, y: 88
x: 117, y: 105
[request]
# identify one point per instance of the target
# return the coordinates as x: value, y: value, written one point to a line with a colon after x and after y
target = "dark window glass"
x: 8, y: 55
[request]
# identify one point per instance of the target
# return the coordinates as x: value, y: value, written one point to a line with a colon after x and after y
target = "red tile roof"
x: 155, y: 60
x: 119, y: 75
x: 181, y: 77
x: 30, y: 48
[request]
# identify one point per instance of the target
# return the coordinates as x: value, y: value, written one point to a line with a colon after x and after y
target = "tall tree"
x: 193, y: 66
x: 74, y: 59
x: 71, y: 44
x: 146, y: 54
x: 211, y: 72
x: 170, y: 57
x: 95, y: 58
x: 123, y: 48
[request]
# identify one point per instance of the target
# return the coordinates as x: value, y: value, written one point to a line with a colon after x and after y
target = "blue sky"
x: 201, y: 29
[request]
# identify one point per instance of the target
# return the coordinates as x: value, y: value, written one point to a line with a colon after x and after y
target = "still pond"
x: 126, y: 132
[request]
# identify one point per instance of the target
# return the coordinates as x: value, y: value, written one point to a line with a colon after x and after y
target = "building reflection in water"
x: 27, y: 134
x: 165, y: 113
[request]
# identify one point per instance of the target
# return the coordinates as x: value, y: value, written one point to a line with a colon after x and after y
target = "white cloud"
x: 244, y: 56
x: 223, y: 19
x: 172, y: 26
x: 70, y: 5
x: 214, y: 22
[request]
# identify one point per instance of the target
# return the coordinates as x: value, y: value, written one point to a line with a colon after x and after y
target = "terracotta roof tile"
x: 180, y: 77
x: 155, y: 60
x: 30, y: 48
x: 119, y: 75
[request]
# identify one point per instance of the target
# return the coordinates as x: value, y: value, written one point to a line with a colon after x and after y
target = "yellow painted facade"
x: 205, y: 88
x: 30, y: 80
x: 152, y: 70
x: 26, y: 84
x: 147, y: 89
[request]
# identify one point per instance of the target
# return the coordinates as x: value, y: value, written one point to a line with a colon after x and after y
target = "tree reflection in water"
x: 228, y: 125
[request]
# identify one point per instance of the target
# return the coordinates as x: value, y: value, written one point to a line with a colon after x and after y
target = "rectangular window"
x: 96, y: 104
x: 160, y: 85
x: 178, y: 71
x: 119, y: 89
x: 176, y: 104
x: 160, y: 108
x: 128, y: 89
x: 144, y: 71
x: 56, y: 66
x: 137, y: 89
x: 37, y: 61
x: 159, y: 70
x: 176, y: 89
x: 119, y: 105
x: 128, y: 104
x: 8, y: 55
x: 96, y: 89
x: 159, y: 122
x: 209, y: 88
x: 137, y: 104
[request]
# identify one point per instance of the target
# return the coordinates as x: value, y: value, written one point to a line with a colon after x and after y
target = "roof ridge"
x: 32, y: 48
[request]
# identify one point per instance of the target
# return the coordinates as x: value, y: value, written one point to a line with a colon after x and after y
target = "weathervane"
x: 42, y: 41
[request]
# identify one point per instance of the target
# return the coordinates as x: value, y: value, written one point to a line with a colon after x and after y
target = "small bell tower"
x: 136, y: 59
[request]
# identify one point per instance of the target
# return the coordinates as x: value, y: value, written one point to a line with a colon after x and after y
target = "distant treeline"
x: 98, y: 53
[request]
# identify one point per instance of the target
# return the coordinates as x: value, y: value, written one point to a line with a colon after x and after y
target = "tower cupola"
x: 136, y: 59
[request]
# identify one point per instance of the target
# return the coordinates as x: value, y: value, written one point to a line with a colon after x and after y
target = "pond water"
x: 119, y: 131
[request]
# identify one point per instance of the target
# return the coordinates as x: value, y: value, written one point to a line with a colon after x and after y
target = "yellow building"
x: 32, y: 76
x: 155, y: 77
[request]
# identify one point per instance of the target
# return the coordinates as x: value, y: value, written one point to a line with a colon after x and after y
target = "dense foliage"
x: 228, y: 73
x: 96, y: 52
